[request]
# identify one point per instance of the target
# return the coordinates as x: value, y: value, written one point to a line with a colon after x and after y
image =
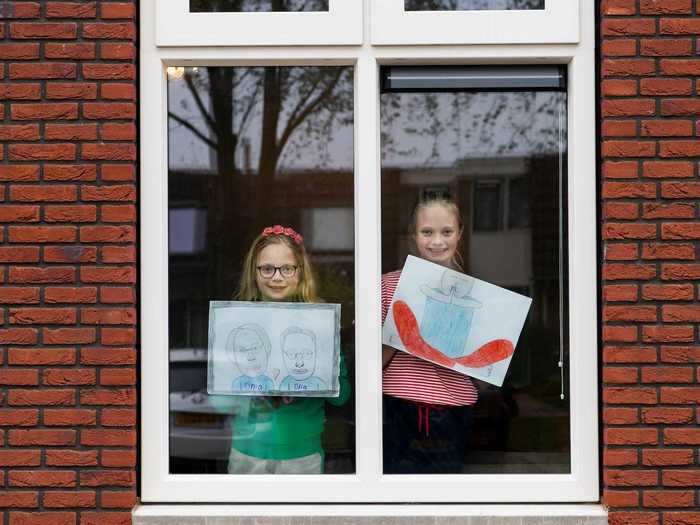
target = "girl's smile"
x: 277, y: 287
x: 437, y: 234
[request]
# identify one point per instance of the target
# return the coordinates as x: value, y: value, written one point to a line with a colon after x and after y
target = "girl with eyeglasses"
x: 279, y: 435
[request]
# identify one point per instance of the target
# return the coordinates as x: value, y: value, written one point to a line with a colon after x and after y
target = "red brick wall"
x: 67, y: 262
x: 650, y: 148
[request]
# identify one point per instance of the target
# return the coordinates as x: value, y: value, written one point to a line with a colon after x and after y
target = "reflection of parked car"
x: 200, y: 437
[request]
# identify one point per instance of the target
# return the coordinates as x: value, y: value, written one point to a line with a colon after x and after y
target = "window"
x: 472, y: 5
x: 242, y: 6
x: 219, y: 162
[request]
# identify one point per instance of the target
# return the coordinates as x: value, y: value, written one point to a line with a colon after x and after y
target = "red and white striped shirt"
x: 417, y: 380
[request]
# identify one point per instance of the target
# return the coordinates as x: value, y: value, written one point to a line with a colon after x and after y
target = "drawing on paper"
x: 257, y: 348
x: 455, y: 320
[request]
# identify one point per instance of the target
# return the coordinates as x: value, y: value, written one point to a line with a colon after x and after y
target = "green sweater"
x: 272, y: 428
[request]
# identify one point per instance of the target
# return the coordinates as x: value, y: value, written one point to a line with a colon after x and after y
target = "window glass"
x: 472, y: 5
x: 499, y: 156
x: 240, y: 6
x: 252, y: 147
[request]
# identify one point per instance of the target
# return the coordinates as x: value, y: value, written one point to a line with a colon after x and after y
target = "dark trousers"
x: 420, y: 439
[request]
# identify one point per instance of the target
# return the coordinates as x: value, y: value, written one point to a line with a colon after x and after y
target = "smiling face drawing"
x: 299, y: 353
x: 251, y: 350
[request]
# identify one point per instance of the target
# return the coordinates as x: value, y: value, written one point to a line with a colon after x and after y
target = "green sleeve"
x: 225, y: 404
x: 345, y: 387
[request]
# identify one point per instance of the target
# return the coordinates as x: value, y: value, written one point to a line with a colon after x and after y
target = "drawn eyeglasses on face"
x: 268, y: 270
x: 307, y: 354
x: 245, y: 349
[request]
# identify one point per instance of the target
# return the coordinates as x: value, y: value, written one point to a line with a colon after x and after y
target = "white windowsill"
x: 567, y: 513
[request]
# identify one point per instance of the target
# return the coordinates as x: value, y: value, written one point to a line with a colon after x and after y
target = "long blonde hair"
x: 451, y: 206
x: 306, y: 289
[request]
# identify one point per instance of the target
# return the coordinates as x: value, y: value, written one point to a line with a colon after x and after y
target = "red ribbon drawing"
x: 407, y: 326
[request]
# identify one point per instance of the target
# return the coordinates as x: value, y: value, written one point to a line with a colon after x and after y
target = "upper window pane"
x: 242, y: 6
x: 472, y: 5
x: 248, y: 148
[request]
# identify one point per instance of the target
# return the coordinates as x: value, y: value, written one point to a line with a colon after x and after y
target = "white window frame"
x: 557, y: 23
x: 176, y: 26
x: 368, y: 484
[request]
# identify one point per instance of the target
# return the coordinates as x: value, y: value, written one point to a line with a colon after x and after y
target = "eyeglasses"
x: 268, y: 271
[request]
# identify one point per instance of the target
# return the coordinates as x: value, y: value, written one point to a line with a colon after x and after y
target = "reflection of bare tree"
x: 288, y: 109
x: 472, y: 5
x: 257, y: 5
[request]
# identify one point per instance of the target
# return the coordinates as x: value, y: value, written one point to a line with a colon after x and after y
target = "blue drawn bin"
x: 448, y: 314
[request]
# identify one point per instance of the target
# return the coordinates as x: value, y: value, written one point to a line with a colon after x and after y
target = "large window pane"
x: 500, y: 155
x: 241, y: 6
x: 251, y: 147
x: 472, y: 5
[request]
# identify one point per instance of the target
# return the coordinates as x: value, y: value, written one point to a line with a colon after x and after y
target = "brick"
x: 108, y: 274
x: 107, y: 234
x: 64, y: 151
x: 110, y: 151
x: 673, y: 395
x: 46, y: 397
x: 619, y: 128
x: 20, y: 91
x: 680, y: 272
x: 11, y: 213
x: 41, y: 437
x: 620, y: 292
x: 118, y: 499
x: 19, y: 295
x: 108, y: 316
x: 108, y: 356
x: 42, y: 518
x: 22, y: 10
x: 42, y: 71
x: 71, y: 458
x: 41, y: 356
x: 118, y: 336
x: 118, y: 458
x: 628, y: 26
x: 667, y: 457
x: 18, y: 336
x: 41, y: 111
x: 667, y: 169
x: 629, y: 354
x: 667, y: 375
x: 118, y: 132
x: 665, y: 7
x: 117, y: 212
x: 19, y: 458
x: 628, y: 107
x: 25, y: 132
x: 672, y: 313
x: 119, y: 396
x: 667, y: 334
x: 124, y: 91
x: 668, y: 498
x: 681, y: 107
x: 631, y: 478
x: 621, y: 252
x: 618, y: 457
x: 70, y: 213
x: 619, y: 47
x: 633, y: 518
x: 117, y: 51
x: 620, y: 334
x: 55, y: 499
x: 116, y: 10
x: 63, y: 51
x: 630, y: 313
x: 620, y: 416
x: 620, y: 88
x: 70, y: 254
x: 630, y: 395
x: 117, y: 377
x: 680, y: 478
x: 18, y: 499
x: 52, y: 31
x: 623, y: 231
x: 667, y: 128
x: 118, y: 254
x: 626, y: 67
x: 58, y: 172
x: 668, y: 251
x: 680, y: 354
x: 74, y: 132
x: 678, y: 66
x: 667, y: 292
x: 115, y: 71
x: 681, y: 518
x: 621, y: 498
x: 111, y: 110
x: 118, y: 417
x: 681, y: 436
x: 28, y: 51
x: 17, y: 417
x: 19, y: 173
x: 660, y: 210
x: 632, y: 148
x: 620, y: 271
x: 55, y: 193
x: 71, y: 10
x: 71, y: 91
x: 679, y: 26
x: 115, y: 478
x: 110, y: 30
x: 41, y: 234
x: 108, y: 438
x: 680, y: 231
x: 630, y: 436
x: 18, y: 377
x: 106, y: 518
x: 665, y: 86
x: 83, y: 295
x: 41, y: 478
x: 69, y: 417
x: 118, y: 172
x: 63, y: 377
x: 17, y: 254
x: 665, y: 47
x: 69, y: 336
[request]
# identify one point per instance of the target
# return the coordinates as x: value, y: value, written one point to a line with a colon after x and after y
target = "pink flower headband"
x: 281, y: 230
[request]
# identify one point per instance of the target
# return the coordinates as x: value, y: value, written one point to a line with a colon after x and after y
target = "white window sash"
x: 557, y: 23
x: 176, y: 26
x: 368, y: 484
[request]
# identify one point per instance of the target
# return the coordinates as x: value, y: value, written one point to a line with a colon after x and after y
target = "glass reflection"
x: 249, y: 148
x: 473, y: 5
x: 501, y: 157
x: 241, y: 6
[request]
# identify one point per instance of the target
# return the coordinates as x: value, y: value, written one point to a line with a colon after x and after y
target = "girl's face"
x: 277, y: 287
x: 437, y: 234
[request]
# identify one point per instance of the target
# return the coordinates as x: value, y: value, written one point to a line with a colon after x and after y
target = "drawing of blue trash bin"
x: 448, y: 314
